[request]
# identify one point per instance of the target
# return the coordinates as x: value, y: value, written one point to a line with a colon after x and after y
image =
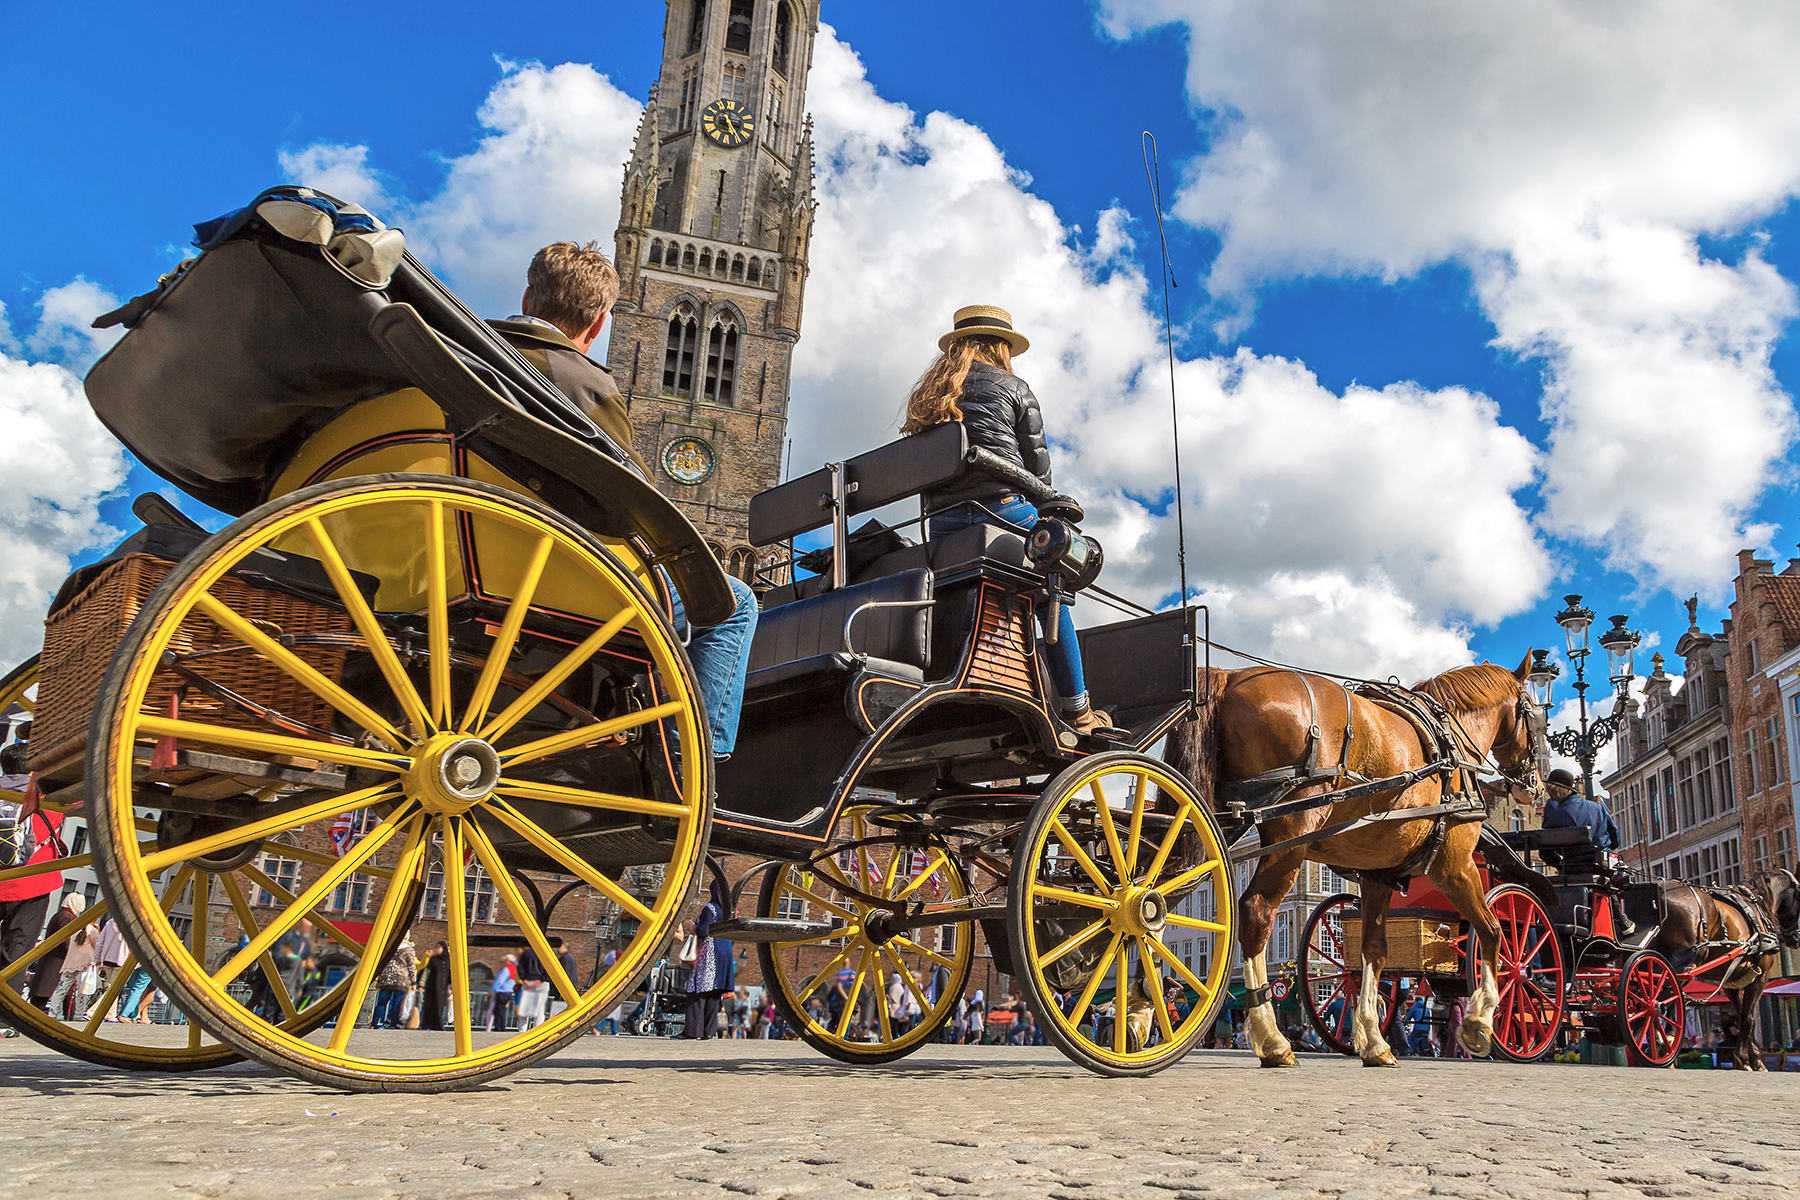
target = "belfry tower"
x: 715, y: 221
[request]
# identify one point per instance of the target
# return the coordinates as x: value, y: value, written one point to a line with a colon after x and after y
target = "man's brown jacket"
x: 576, y: 376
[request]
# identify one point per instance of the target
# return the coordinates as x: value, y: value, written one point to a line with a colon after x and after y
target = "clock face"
x: 728, y: 123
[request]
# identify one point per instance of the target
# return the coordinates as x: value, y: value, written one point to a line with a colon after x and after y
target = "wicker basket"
x: 1416, y: 946
x: 80, y: 637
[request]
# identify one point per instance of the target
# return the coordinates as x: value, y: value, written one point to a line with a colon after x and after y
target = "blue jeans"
x: 134, y: 990
x: 387, y: 1008
x: 721, y: 657
x: 1063, y: 658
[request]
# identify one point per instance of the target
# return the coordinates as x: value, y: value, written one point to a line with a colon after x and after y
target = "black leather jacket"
x: 1000, y: 415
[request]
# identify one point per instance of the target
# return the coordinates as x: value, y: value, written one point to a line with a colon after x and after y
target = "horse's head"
x: 1522, y: 747
x: 1781, y: 892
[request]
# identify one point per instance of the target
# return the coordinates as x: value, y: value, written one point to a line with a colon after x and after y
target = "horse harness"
x: 1264, y: 797
x: 1764, y: 938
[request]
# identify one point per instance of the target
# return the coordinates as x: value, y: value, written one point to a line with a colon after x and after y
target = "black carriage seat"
x: 882, y: 628
x: 972, y: 549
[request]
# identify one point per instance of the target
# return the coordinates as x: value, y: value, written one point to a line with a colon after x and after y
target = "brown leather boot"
x: 1088, y: 720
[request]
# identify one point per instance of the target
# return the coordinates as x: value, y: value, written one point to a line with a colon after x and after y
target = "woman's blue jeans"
x: 133, y: 993
x: 1064, y: 657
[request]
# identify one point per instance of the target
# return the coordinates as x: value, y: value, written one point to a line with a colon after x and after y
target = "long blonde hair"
x: 933, y: 399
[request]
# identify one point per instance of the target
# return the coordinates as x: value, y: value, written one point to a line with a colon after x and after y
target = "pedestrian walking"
x: 534, y: 990
x: 78, y: 956
x: 392, y: 983
x: 558, y: 1001
x: 46, y: 981
x: 436, y: 980
x: 503, y: 991
x: 713, y: 967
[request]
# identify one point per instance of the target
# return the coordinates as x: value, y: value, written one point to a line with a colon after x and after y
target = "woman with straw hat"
x: 972, y: 382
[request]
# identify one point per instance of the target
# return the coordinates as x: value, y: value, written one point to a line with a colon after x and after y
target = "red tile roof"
x: 1784, y: 590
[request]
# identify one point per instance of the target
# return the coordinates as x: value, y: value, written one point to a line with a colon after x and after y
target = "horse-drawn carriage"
x: 1584, y: 950
x: 441, y: 622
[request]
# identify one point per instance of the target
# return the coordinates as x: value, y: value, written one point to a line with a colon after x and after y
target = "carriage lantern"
x: 1575, y: 621
x: 1621, y: 646
x: 1542, y: 679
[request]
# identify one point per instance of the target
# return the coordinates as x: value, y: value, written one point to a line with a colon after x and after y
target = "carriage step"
x: 772, y: 929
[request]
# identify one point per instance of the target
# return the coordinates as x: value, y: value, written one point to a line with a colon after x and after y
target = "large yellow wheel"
x: 1110, y: 855
x: 91, y: 1038
x: 512, y: 700
x: 839, y: 989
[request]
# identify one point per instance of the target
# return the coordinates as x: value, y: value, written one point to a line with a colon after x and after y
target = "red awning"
x: 1787, y: 987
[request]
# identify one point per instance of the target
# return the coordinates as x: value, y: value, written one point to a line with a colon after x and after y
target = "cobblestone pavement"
x: 634, y: 1117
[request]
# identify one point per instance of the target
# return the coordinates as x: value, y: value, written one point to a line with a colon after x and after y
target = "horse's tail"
x: 1192, y: 747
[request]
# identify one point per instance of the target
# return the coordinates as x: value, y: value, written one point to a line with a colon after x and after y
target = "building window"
x: 478, y: 896
x: 687, y: 258
x: 1772, y: 736
x: 1284, y: 923
x: 706, y: 262
x: 1783, y: 860
x: 1730, y: 869
x: 678, y: 356
x: 784, y: 37
x: 1721, y: 753
x: 690, y: 99
x: 737, y: 267
x: 790, y: 907
x: 1759, y: 850
x: 733, y: 88
x: 1685, y: 785
x: 1668, y: 790
x: 284, y: 872
x: 431, y: 904
x: 1703, y: 784
x: 737, y: 26
x: 721, y: 362
x: 697, y: 27
x: 753, y: 271
x: 1750, y: 756
x: 79, y: 844
x: 656, y: 253
x: 352, y: 895
x: 1755, y: 658
x: 772, y: 120
x: 1636, y: 801
x: 1655, y: 806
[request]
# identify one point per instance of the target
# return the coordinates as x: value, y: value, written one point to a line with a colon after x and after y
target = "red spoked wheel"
x: 1332, y: 985
x: 1531, y: 976
x: 1651, y: 1009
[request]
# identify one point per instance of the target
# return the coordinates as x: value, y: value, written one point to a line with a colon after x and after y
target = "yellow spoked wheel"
x: 89, y: 1035
x: 879, y: 985
x: 1106, y: 879
x: 509, y: 701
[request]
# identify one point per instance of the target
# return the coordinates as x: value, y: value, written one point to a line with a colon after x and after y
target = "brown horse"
x: 1699, y: 926
x: 1258, y: 720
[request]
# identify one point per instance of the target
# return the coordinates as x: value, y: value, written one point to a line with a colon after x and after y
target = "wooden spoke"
x: 248, y: 923
x: 71, y: 863
x: 1180, y: 968
x: 1140, y: 801
x: 881, y: 1000
x: 553, y: 678
x: 587, y: 735
x: 1061, y: 950
x: 1162, y: 1002
x: 1196, y: 923
x: 450, y: 830
x: 906, y: 977
x: 522, y: 914
x: 825, y: 972
x: 888, y: 882
x: 343, y: 802
x: 1045, y: 891
x: 1093, y: 984
x: 437, y: 614
x: 796, y: 890
x: 314, y: 895
x: 1120, y: 1002
x: 933, y: 955
x: 323, y: 860
x: 1191, y: 875
x: 1079, y: 855
x: 201, y: 906
x: 582, y: 798
x: 501, y: 650
x: 862, y: 966
x: 932, y: 866
x: 387, y: 920
x: 525, y: 827
x: 1168, y: 843
x: 380, y: 649
x: 286, y: 897
x: 115, y: 985
x: 251, y: 739
x: 1108, y: 827
x: 300, y: 670
x: 829, y: 868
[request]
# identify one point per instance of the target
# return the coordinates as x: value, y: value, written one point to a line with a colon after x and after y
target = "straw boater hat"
x: 985, y: 319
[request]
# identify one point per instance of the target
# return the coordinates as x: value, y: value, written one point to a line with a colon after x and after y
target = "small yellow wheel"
x: 880, y: 984
x: 511, y: 700
x: 1100, y: 873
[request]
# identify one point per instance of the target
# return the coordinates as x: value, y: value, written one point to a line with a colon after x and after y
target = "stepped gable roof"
x: 1784, y: 590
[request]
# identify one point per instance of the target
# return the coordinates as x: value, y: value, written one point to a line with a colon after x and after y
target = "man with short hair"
x: 569, y: 292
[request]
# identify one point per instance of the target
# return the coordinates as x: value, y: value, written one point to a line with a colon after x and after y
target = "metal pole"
x: 840, y: 525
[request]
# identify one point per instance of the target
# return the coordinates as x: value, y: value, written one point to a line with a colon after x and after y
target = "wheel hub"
x: 452, y: 773
x: 1142, y: 910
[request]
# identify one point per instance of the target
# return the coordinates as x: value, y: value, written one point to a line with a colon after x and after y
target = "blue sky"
x: 1358, y: 263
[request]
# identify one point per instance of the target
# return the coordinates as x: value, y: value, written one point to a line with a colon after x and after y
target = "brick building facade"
x: 1765, y: 621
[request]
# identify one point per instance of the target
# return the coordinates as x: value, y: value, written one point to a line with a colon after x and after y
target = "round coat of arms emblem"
x: 687, y: 460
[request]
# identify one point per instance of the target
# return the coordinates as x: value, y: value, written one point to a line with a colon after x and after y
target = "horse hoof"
x: 1284, y: 1059
x: 1386, y: 1059
x: 1478, y: 1045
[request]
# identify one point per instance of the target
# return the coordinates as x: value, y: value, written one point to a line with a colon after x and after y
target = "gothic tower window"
x: 737, y: 26
x: 656, y: 249
x: 697, y: 27
x: 678, y: 358
x: 721, y: 361
x: 706, y: 262
x: 734, y: 83
x: 771, y: 119
x: 690, y: 98
x: 687, y: 259
x: 737, y: 267
x: 742, y: 563
x: 721, y: 265
x: 784, y: 32
x: 754, y: 271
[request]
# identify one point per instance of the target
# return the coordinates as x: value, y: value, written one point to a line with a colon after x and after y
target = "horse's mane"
x: 1466, y: 689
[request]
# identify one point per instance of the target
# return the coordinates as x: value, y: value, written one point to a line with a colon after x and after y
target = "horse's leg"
x: 1256, y: 921
x: 1455, y: 875
x: 1749, y: 1054
x: 1371, y: 1047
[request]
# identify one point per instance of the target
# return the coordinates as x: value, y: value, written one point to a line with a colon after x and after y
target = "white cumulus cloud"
x: 1571, y: 155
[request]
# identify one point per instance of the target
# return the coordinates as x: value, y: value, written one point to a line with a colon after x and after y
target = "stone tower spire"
x: 715, y: 230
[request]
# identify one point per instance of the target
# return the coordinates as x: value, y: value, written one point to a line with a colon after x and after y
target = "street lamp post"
x: 1620, y: 645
